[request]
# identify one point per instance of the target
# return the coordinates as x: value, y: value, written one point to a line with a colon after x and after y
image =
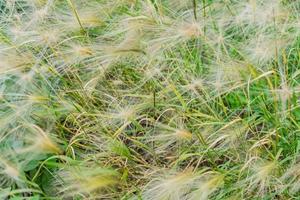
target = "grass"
x: 149, y: 100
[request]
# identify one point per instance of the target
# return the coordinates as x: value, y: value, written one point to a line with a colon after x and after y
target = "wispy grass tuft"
x: 151, y: 100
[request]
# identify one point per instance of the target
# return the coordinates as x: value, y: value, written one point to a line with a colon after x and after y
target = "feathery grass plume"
x: 35, y: 29
x: 167, y: 137
x: 172, y: 34
x: 14, y: 62
x: 124, y: 114
x: 149, y: 99
x: 227, y: 74
x: 261, y: 14
x: 84, y: 181
x: 230, y: 136
x: 41, y: 13
x: 262, y: 176
x: 172, y: 185
x: 153, y: 70
x: 261, y: 142
x: 166, y: 33
x: 9, y: 173
x: 291, y: 178
x: 195, y: 85
x: 18, y: 35
x: 258, y: 25
x: 263, y: 48
x: 179, y: 5
x: 125, y: 40
x: 209, y: 183
x: 22, y: 101
x: 182, y: 185
x: 117, y: 53
x: 124, y: 111
x: 23, y: 27
x: 75, y: 52
x: 108, y: 147
x: 35, y: 141
x: 44, y: 143
x: 129, y: 30
x: 80, y: 15
x: 47, y: 36
x: 219, y: 42
x: 98, y: 55
x: 284, y: 94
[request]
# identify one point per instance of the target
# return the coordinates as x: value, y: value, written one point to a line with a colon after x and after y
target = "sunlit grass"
x: 150, y: 100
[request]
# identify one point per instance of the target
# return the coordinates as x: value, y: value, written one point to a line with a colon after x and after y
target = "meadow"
x: 149, y: 99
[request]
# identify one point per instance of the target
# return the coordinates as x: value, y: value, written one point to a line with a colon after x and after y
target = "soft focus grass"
x: 150, y: 100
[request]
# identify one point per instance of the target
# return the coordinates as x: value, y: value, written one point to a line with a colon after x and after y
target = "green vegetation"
x: 150, y: 99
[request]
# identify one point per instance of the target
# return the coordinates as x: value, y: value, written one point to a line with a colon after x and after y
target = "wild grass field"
x: 150, y: 99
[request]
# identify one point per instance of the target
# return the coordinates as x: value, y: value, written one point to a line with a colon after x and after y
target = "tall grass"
x: 150, y: 100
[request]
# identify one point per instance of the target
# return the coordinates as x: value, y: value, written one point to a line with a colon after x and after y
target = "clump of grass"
x: 161, y: 100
